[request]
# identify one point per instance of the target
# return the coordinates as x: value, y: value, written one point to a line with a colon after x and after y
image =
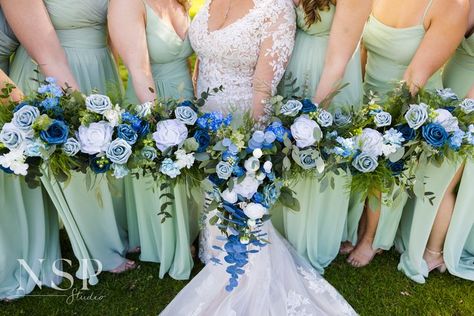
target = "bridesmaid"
x: 28, y: 223
x: 409, y: 40
x: 442, y: 236
x: 88, y: 214
x: 326, y: 53
x: 151, y: 37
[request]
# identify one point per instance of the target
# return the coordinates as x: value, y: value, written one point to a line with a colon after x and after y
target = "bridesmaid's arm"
x: 196, y: 77
x: 32, y: 26
x: 445, y: 32
x: 363, y: 58
x: 346, y: 31
x: 126, y: 21
x: 16, y: 94
x: 470, y: 93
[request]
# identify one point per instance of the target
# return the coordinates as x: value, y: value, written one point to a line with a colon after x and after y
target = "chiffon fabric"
x: 167, y: 243
x: 28, y: 221
x: 94, y: 216
x: 418, y: 220
x: 389, y: 52
x: 316, y: 231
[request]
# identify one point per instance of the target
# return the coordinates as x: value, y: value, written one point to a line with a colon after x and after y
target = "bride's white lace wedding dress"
x: 251, y: 52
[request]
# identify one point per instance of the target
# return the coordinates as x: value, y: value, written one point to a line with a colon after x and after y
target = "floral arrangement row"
x: 244, y: 171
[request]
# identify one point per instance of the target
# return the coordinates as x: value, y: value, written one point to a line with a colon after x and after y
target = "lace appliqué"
x: 229, y: 56
x: 295, y: 304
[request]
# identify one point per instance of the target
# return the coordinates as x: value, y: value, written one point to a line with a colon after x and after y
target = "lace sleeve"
x: 275, y: 50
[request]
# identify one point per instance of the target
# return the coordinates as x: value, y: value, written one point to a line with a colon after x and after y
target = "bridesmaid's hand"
x: 16, y: 95
x: 470, y: 94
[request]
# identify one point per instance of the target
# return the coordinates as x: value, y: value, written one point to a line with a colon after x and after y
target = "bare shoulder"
x: 450, y: 9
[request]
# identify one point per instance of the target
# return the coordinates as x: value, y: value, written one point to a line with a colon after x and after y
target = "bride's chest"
x: 239, y: 41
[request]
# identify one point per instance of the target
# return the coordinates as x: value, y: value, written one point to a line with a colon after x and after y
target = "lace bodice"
x: 248, y: 57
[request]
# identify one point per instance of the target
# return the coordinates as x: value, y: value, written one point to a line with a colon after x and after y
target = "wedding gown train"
x: 277, y: 281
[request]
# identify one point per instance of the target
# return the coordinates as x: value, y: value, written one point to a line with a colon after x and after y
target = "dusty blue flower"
x: 56, y: 134
x: 365, y: 163
x: 119, y: 151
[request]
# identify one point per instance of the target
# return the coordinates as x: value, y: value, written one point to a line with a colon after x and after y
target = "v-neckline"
x: 169, y: 27
x: 208, y: 15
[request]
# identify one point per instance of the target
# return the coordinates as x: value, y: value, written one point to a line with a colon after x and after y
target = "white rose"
x: 257, y: 153
x: 255, y: 211
x: 447, y: 120
x: 170, y: 133
x: 370, y: 142
x: 252, y: 164
x: 305, y: 131
x: 144, y: 109
x: 113, y: 115
x: 247, y: 187
x: 98, y: 103
x: 229, y: 196
x: 95, y: 138
x: 267, y: 166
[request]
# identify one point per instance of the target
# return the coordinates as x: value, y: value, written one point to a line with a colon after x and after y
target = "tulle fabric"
x: 277, y: 281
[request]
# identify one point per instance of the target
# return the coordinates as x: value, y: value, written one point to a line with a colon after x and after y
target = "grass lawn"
x: 376, y: 290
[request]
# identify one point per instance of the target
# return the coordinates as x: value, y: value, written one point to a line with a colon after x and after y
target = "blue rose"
x: 169, y: 168
x: 141, y: 127
x: 325, y: 118
x: 71, y: 147
x: 417, y: 115
x: 216, y: 180
x: 149, y: 153
x: 229, y: 156
x: 119, y: 151
x: 11, y: 136
x: 56, y: 133
x: 186, y: 103
x: 258, y: 198
x: 447, y: 94
x: 365, y: 163
x: 341, y: 118
x: 308, y: 158
x: 291, y: 108
x: 127, y: 133
x: 25, y: 117
x: 270, y: 137
x: 224, y: 170
x: 186, y: 115
x: 308, y: 106
x: 435, y: 135
x: 238, y: 171
x: 203, y: 139
x: 35, y: 148
x: 98, y: 103
x: 396, y: 167
x: 407, y: 132
x: 100, y: 165
x: 382, y: 119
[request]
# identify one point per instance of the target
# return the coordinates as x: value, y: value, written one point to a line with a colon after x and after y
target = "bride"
x: 245, y: 45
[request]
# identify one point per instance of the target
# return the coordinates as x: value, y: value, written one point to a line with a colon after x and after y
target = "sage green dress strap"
x: 317, y: 230
x: 389, y: 53
x: 28, y: 222
x: 417, y: 223
x: 92, y: 222
x: 168, y: 243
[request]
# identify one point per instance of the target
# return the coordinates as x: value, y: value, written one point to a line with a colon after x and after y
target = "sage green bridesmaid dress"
x: 28, y: 221
x: 167, y: 243
x: 316, y: 231
x: 389, y: 52
x: 93, y: 217
x: 417, y: 223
